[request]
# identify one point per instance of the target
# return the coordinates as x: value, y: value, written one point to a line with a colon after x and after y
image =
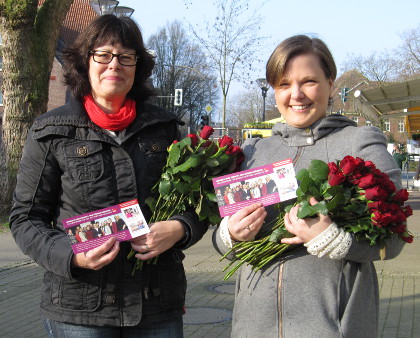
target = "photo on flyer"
x: 123, y: 221
x: 268, y: 184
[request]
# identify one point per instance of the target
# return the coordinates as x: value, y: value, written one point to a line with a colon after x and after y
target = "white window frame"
x: 401, y: 125
x: 387, y: 125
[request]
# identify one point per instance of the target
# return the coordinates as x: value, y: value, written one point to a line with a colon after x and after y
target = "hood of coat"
x: 300, y: 137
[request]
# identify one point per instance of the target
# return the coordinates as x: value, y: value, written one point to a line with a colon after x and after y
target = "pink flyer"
x: 123, y: 221
x: 268, y: 184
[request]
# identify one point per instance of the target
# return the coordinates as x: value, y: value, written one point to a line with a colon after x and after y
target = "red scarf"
x: 117, y: 121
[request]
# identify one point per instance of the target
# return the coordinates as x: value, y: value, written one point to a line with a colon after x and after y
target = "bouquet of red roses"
x: 353, y: 192
x: 186, y: 180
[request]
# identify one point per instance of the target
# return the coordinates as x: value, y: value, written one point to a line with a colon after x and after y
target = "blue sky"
x: 350, y: 26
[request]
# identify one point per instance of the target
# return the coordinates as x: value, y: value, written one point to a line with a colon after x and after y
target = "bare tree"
x: 376, y: 67
x: 409, y: 53
x: 181, y: 64
x: 246, y: 107
x: 231, y: 41
x: 402, y: 64
x: 29, y: 36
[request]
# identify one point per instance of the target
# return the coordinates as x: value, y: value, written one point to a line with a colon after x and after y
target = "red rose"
x: 239, y: 156
x: 206, y: 132
x: 225, y: 141
x: 407, y: 211
x: 335, y: 175
x: 194, y: 139
x: 349, y: 164
x: 376, y: 193
x: 382, y: 219
x: 370, y: 166
x: 398, y: 228
x: 366, y: 181
x: 407, y: 237
x: 400, y: 196
x: 384, y: 181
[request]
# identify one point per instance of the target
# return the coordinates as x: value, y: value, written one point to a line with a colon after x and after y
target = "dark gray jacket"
x: 69, y: 167
x: 306, y: 296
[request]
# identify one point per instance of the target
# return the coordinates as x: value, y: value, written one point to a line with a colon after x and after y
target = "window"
x: 401, y: 125
x: 387, y: 125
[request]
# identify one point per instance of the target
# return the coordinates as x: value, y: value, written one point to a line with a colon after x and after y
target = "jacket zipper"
x: 279, y: 291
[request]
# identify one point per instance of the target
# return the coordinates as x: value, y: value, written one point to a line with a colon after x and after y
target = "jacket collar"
x: 301, y: 137
x: 71, y: 120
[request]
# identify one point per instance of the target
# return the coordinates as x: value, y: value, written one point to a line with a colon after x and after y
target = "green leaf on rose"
x: 174, y: 154
x: 165, y: 187
x: 220, y: 160
x: 302, y: 174
x: 306, y: 210
x: 182, y: 187
x: 318, y: 170
x: 335, y: 202
x: 214, y: 219
x: 195, y: 184
x: 151, y: 203
x: 192, y: 162
x: 321, y: 207
x: 211, y: 196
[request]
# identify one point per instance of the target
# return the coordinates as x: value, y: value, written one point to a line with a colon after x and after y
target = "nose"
x: 114, y: 63
x: 296, y: 92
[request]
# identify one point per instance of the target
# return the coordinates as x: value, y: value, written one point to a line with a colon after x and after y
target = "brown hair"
x: 298, y: 45
x: 107, y: 29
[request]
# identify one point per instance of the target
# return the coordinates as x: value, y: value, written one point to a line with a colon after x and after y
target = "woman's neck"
x: 109, y: 106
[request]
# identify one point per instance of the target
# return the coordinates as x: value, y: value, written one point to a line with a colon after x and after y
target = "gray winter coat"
x: 307, y: 296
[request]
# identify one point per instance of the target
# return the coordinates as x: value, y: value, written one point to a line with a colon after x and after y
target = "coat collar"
x: 71, y: 120
x: 301, y: 137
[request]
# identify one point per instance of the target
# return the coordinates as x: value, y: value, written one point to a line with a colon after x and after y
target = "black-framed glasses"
x: 104, y: 57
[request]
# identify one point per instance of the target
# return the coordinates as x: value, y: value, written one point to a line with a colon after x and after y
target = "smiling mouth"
x: 300, y: 107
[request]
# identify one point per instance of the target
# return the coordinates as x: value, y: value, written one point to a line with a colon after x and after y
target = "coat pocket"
x: 172, y: 280
x: 84, y: 161
x: 74, y: 294
x: 155, y: 153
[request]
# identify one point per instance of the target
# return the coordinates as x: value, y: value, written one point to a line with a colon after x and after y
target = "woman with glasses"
x: 106, y: 146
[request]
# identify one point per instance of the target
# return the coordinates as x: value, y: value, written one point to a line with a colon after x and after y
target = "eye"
x: 127, y: 57
x: 283, y: 85
x: 102, y: 55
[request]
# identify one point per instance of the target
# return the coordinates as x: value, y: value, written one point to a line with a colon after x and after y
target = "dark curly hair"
x: 107, y: 29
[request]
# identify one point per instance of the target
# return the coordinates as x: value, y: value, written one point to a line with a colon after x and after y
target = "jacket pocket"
x: 155, y: 153
x: 84, y: 161
x: 172, y: 280
x: 76, y: 295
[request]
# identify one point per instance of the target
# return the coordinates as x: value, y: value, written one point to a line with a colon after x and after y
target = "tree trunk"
x: 29, y: 39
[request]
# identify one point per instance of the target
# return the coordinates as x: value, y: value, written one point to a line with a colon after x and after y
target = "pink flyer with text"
x: 123, y: 221
x: 268, y: 184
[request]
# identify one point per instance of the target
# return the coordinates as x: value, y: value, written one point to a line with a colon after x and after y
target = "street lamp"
x: 102, y: 7
x: 263, y: 84
x: 121, y: 11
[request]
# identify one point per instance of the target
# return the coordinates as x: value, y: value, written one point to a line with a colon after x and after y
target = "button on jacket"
x: 69, y: 167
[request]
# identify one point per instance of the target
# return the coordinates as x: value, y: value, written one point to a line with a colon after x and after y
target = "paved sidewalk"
x: 209, y: 298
